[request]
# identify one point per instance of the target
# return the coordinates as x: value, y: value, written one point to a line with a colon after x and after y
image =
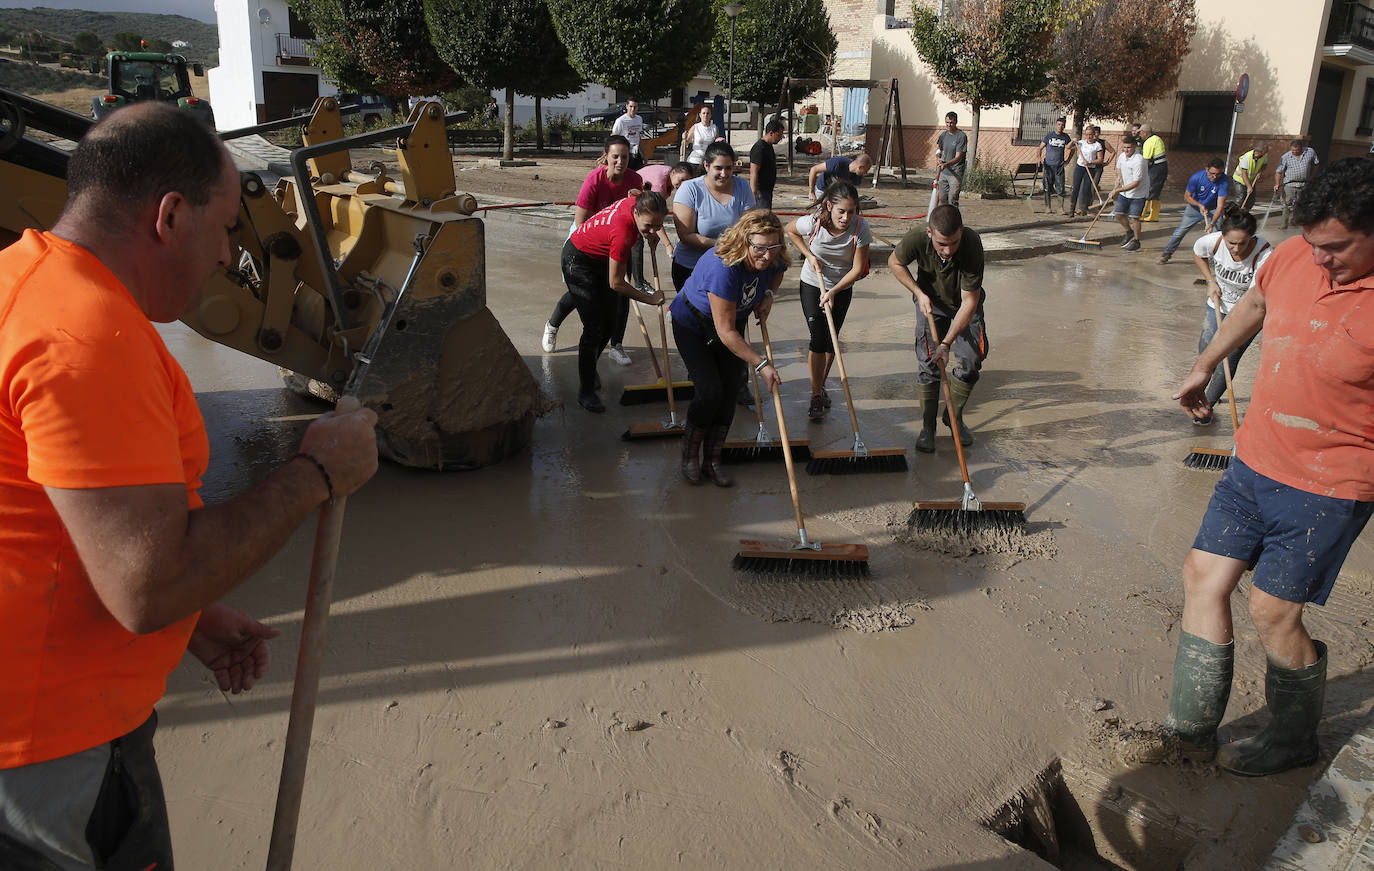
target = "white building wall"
x: 247, y: 47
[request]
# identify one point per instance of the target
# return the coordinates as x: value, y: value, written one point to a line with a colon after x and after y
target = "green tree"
x: 645, y: 47
x: 773, y: 39
x: 510, y: 45
x: 126, y: 41
x: 88, y: 44
x: 1120, y: 56
x: 992, y: 53
x: 158, y: 44
x: 377, y: 47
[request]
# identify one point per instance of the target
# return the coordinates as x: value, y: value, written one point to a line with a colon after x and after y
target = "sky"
x: 201, y: 9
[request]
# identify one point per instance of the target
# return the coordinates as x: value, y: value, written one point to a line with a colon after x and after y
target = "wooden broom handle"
x: 782, y: 430
x: 1230, y: 393
x: 949, y: 403
x: 644, y: 328
x: 667, y: 373
x: 839, y: 359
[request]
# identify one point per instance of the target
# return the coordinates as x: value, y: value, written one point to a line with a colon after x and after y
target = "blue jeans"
x: 1192, y: 216
x: 1217, y: 386
x: 1084, y: 188
x: 1054, y: 181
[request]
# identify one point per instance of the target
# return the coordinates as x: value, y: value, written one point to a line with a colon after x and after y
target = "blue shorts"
x: 1133, y: 206
x: 1294, y: 540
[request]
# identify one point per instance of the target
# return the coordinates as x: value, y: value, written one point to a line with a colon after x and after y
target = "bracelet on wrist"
x: 762, y: 362
x: 324, y: 473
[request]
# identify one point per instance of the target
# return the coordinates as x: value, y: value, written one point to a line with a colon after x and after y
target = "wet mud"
x: 550, y: 662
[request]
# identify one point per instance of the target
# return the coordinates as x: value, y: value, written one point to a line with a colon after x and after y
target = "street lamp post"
x: 733, y: 10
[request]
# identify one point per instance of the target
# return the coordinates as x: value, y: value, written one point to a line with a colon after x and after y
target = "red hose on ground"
x: 521, y: 206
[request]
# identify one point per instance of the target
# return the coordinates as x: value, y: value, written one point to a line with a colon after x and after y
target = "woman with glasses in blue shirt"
x: 736, y: 277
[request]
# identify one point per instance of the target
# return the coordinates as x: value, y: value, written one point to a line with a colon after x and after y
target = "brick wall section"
x: 995, y: 146
x: 852, y: 23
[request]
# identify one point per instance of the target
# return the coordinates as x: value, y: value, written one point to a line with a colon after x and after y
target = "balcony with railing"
x: 1351, y: 23
x: 295, y: 50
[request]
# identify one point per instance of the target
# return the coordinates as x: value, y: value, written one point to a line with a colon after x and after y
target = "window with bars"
x: 1205, y: 123
x: 1037, y: 119
x: 1367, y: 110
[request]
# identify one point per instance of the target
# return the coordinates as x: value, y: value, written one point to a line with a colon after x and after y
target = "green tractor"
x: 136, y: 76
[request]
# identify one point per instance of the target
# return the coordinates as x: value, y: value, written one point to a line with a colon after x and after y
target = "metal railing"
x: 1351, y: 23
x: 295, y: 48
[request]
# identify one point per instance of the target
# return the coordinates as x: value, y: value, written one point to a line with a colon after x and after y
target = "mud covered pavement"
x: 549, y: 663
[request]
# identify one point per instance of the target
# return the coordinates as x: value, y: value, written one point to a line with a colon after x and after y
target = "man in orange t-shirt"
x: 110, y: 565
x: 1300, y: 487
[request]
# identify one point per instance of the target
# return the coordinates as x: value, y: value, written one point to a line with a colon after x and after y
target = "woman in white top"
x: 1228, y: 259
x: 835, y: 242
x: 1087, y: 172
x: 698, y: 136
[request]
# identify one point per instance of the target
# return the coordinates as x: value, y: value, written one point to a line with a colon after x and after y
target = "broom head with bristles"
x: 781, y: 560
x: 1084, y: 244
x: 660, y: 430
x: 753, y: 451
x: 851, y: 463
x: 953, y: 518
x: 645, y: 394
x: 1207, y: 459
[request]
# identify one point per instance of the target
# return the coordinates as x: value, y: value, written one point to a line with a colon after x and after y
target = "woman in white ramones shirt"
x: 1228, y: 259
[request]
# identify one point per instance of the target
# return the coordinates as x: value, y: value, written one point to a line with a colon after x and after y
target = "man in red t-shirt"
x: 602, y: 186
x: 110, y: 565
x: 1300, y: 487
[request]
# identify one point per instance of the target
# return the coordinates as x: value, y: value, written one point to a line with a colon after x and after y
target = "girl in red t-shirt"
x: 595, y: 260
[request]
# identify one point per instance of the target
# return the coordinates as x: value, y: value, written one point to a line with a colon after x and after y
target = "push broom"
x: 762, y: 446
x: 1210, y: 459
x: 969, y: 515
x: 859, y: 457
x: 805, y: 558
x: 1085, y: 243
x: 671, y: 427
x: 644, y: 394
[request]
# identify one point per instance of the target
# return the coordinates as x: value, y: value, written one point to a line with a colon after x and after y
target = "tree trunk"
x: 538, y: 124
x: 971, y: 159
x: 508, y: 148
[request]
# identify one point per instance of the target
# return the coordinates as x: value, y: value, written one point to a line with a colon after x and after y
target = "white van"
x: 742, y: 116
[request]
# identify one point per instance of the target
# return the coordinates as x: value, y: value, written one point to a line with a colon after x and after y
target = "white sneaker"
x: 550, y: 338
x: 618, y: 355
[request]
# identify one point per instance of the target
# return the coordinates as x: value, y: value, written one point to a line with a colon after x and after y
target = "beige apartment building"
x: 1310, y: 63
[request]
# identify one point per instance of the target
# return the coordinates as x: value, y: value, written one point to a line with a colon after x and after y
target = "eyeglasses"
x: 764, y: 248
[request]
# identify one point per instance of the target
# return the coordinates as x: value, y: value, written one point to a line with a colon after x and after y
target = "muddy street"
x: 550, y: 663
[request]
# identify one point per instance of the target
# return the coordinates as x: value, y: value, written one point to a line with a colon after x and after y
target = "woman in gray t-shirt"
x: 835, y: 241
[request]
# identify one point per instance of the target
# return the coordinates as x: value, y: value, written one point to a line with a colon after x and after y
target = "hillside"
x: 65, y: 24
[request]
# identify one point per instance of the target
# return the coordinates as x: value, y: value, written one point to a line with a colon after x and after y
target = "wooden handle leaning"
x: 782, y: 431
x: 949, y: 403
x: 667, y: 373
x: 1230, y: 392
x: 307, y: 686
x: 839, y: 360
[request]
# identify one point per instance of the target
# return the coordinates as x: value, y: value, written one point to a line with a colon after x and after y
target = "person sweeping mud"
x: 835, y: 242
x: 948, y: 286
x: 111, y: 567
x: 738, y: 276
x: 602, y: 187
x: 1228, y: 260
x: 1301, y: 486
x: 595, y: 263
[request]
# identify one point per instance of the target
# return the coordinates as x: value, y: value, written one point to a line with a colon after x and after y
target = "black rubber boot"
x: 1197, y: 701
x: 959, y: 390
x: 712, y: 467
x: 929, y: 396
x: 1295, y: 697
x: 692, y: 437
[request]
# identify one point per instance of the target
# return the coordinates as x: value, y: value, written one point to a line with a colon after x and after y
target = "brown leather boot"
x: 715, y: 445
x: 692, y: 437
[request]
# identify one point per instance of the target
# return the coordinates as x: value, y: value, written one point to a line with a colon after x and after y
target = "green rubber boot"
x: 1295, y: 697
x: 929, y: 396
x: 1197, y: 701
x: 959, y: 390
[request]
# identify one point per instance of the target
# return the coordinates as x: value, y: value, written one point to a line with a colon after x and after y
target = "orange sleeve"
x: 95, y: 402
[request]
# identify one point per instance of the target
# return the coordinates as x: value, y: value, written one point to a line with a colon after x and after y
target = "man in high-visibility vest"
x: 1152, y: 149
x: 1249, y: 170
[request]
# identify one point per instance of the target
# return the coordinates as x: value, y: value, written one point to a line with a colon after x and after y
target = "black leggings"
x: 716, y: 373
x: 680, y: 275
x: 815, y: 318
x: 566, y: 305
x: 590, y: 287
